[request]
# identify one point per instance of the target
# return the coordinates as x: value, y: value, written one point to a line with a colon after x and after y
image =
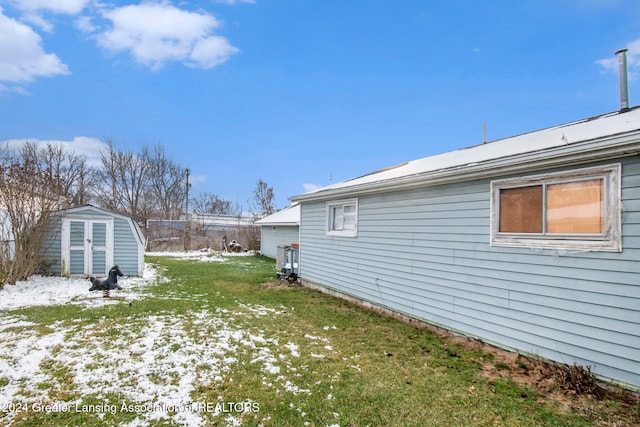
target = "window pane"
x: 575, y: 207
x: 337, y: 214
x: 521, y: 210
x: 349, y: 217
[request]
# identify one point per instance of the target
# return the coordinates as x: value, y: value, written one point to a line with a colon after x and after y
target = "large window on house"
x: 342, y: 218
x: 574, y: 210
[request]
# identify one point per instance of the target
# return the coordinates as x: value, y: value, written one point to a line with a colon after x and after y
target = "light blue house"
x: 88, y: 241
x: 531, y: 243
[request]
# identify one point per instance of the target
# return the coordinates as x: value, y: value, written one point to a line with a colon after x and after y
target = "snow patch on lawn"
x: 48, y: 290
x: 160, y: 360
x: 204, y: 255
x: 293, y: 349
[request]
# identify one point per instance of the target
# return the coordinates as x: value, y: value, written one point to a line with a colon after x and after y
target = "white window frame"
x: 610, y: 240
x: 339, y: 230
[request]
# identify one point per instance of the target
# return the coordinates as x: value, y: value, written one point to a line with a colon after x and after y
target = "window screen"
x: 521, y: 210
x: 575, y: 207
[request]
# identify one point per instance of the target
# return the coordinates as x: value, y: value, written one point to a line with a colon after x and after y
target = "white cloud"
x: 22, y: 57
x: 197, y: 179
x: 71, y: 7
x: 85, y: 24
x: 87, y: 146
x: 156, y: 33
x: 38, y: 21
x: 311, y: 187
x: 610, y: 64
x: 33, y: 10
x: 234, y: 1
x: 211, y: 51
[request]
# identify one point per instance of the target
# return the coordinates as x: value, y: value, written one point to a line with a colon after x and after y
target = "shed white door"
x: 87, y: 247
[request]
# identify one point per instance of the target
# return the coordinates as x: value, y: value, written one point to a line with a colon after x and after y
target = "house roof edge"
x: 604, y: 148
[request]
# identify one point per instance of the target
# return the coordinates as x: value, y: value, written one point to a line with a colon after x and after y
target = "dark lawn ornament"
x: 107, y: 284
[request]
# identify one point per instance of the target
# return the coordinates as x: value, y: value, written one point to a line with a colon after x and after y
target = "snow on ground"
x: 157, y: 363
x: 41, y: 290
x: 153, y: 364
x: 202, y: 255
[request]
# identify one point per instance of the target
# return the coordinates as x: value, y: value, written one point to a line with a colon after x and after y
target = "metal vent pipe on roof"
x: 622, y: 77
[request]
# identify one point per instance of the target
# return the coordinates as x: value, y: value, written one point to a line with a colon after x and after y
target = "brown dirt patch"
x: 572, y: 388
x: 277, y: 284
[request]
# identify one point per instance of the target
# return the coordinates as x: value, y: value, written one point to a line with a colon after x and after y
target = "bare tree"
x: 167, y: 183
x: 67, y: 173
x: 134, y: 179
x: 83, y: 189
x: 210, y: 203
x: 107, y: 177
x: 263, y: 199
x: 123, y: 181
x: 29, y: 196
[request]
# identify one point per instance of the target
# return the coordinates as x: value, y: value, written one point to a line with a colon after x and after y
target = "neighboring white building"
x: 279, y: 229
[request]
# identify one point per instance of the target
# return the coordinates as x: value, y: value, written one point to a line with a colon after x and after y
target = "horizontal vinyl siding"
x: 426, y: 253
x: 274, y: 236
x: 52, y: 250
x: 125, y: 247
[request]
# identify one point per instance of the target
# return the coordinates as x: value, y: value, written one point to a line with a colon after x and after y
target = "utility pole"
x: 186, y: 209
x: 186, y: 239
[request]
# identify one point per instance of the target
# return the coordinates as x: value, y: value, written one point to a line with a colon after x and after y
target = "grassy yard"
x: 222, y: 343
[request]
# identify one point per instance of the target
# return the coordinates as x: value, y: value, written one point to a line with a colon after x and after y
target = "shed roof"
x: 558, y: 144
x: 287, y: 216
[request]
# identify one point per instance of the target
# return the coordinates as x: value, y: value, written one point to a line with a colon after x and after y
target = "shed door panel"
x: 98, y: 248
x: 76, y: 247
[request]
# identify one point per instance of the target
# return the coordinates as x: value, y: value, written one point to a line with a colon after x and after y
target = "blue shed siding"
x: 425, y: 253
x: 51, y: 253
x: 125, y: 247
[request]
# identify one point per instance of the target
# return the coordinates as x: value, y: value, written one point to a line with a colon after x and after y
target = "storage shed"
x: 531, y: 243
x: 279, y: 229
x: 88, y: 240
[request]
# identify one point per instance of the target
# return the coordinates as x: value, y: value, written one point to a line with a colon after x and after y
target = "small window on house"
x: 342, y: 218
x: 573, y: 210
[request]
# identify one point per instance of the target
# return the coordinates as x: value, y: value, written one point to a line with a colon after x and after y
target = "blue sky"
x: 304, y: 93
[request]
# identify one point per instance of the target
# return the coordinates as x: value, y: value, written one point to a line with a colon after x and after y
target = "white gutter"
x: 614, y: 146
